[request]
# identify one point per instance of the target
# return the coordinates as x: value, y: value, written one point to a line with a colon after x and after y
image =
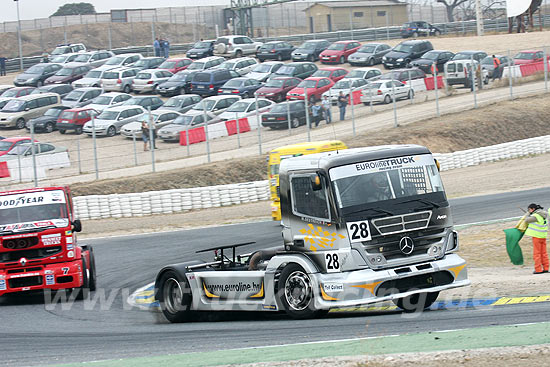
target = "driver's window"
x: 306, y: 201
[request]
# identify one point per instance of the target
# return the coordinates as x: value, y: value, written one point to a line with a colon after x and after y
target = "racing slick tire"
x: 416, y: 302
x: 84, y: 289
x: 174, y: 297
x: 296, y: 293
x: 92, y: 275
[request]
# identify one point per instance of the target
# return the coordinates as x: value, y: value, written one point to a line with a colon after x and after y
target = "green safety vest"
x: 537, y: 229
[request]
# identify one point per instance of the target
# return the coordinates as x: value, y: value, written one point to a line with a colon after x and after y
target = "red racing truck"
x: 38, y: 248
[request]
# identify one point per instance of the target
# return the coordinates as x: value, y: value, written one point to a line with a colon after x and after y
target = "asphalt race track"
x: 35, y: 333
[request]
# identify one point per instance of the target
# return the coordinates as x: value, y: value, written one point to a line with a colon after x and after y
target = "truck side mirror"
x: 77, y: 225
x: 316, y: 182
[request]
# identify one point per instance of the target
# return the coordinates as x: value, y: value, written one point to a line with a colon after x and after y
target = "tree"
x: 451, y: 5
x: 75, y: 9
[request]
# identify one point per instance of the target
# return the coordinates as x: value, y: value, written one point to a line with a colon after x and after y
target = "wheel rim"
x: 387, y: 99
x: 371, y: 62
x: 111, y: 131
x: 295, y: 123
x: 298, y: 291
x: 20, y: 123
x: 172, y: 295
x: 49, y: 128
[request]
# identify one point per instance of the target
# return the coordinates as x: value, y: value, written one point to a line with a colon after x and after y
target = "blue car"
x: 243, y: 87
x: 208, y: 82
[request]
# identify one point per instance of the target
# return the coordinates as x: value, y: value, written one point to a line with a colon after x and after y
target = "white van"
x: 459, y: 72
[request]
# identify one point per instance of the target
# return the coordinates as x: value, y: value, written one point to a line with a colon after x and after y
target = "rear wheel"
x: 295, y: 122
x: 48, y: 127
x: 20, y: 124
x: 92, y: 275
x: 415, y: 34
x: 61, y: 131
x: 111, y: 131
x: 416, y: 302
x: 39, y: 84
x: 174, y: 296
x: 296, y: 293
x: 387, y: 99
x: 279, y: 57
x: 84, y: 289
x: 437, y: 33
x: 126, y: 89
x: 78, y: 130
x: 411, y: 94
x: 238, y: 53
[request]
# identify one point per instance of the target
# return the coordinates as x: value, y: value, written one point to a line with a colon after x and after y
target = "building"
x: 328, y: 16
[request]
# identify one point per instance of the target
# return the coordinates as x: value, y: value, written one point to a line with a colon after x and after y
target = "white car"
x: 235, y: 46
x: 159, y: 117
x: 246, y: 107
x: 110, y: 121
x: 191, y: 119
x: 205, y: 63
x: 148, y: 80
x: 345, y: 85
x: 94, y: 58
x: 242, y: 65
x: 365, y: 73
x: 119, y: 80
x: 122, y: 60
x: 382, y: 91
x: 63, y: 59
x: 261, y: 72
x: 107, y: 100
x: 91, y: 79
x: 215, y: 104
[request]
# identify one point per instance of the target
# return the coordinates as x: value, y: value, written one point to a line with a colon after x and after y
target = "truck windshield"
x: 359, y: 184
x: 35, y: 209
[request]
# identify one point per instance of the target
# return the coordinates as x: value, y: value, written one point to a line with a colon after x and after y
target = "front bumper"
x: 66, y: 126
x: 367, y: 286
x: 49, y: 276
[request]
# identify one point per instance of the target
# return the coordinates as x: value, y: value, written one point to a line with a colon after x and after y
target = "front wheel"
x: 174, y: 297
x: 415, y: 35
x: 39, y: 84
x: 111, y: 131
x: 437, y: 33
x: 371, y: 61
x: 296, y: 293
x: 61, y: 131
x: 416, y: 302
x: 311, y: 58
x: 20, y: 124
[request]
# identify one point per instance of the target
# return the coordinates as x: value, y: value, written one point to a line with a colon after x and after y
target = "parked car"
x: 17, y: 92
x: 178, y: 83
x: 47, y: 122
x: 148, y: 63
x: 369, y: 54
x: 107, y: 100
x: 440, y: 58
x: 338, y: 52
x: 242, y: 65
x: 275, y: 50
x: 149, y: 80
x: 182, y: 103
x: 333, y: 73
x: 277, y: 118
x: 402, y: 54
x: 81, y: 97
x: 488, y: 64
x: 205, y: 63
x: 245, y: 108
x: 62, y: 59
x: 243, y: 87
x: 365, y: 73
x: 468, y: 55
x: 460, y: 72
x: 17, y: 112
x: 276, y: 89
x: 110, y: 121
x: 313, y: 87
x: 69, y: 48
x: 4, y: 101
x: 175, y: 65
x: 235, y: 46
x: 61, y: 89
x: 74, y: 119
x: 68, y: 74
x: 384, y: 91
x: 261, y: 72
x: 528, y: 57
x: 208, y: 82
x: 171, y: 132
x: 94, y: 58
x: 5, y: 87
x: 36, y: 74
x: 201, y: 49
x: 214, y: 104
x: 419, y: 28
x: 25, y: 149
x: 310, y: 50
x: 403, y: 75
x: 345, y: 85
x: 144, y: 101
x: 8, y: 144
x: 160, y: 118
x: 91, y: 79
x: 300, y: 70
x: 119, y: 80
x: 122, y: 60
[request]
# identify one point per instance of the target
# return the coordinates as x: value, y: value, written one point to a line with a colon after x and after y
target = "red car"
x: 528, y: 57
x: 175, y: 65
x: 315, y: 88
x: 68, y: 74
x: 333, y: 73
x: 74, y: 119
x: 9, y: 143
x: 276, y: 89
x: 338, y: 52
x: 18, y: 92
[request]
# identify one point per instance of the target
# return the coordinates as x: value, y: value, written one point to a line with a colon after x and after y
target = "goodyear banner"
x: 32, y: 198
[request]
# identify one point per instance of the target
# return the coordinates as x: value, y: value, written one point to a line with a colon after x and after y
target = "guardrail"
x: 180, y: 200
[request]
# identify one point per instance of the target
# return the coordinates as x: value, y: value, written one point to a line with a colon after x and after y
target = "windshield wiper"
x: 381, y: 211
x: 425, y: 201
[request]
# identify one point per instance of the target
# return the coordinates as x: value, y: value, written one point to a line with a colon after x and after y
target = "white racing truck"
x: 360, y: 226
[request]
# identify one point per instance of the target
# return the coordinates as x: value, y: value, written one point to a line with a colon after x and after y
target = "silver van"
x: 18, y: 111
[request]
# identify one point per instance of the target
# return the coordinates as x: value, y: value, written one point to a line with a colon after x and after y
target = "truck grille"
x: 38, y: 253
x: 388, y: 246
x: 402, y: 223
x: 25, y: 282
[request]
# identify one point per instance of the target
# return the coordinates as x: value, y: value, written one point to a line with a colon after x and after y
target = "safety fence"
x: 181, y: 200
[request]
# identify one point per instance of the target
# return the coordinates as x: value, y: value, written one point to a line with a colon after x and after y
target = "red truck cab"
x: 38, y: 246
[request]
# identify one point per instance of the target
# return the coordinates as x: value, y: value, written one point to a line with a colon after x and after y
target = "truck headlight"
x: 452, y: 242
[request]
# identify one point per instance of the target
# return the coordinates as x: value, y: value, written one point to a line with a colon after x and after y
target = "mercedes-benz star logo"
x: 406, y: 245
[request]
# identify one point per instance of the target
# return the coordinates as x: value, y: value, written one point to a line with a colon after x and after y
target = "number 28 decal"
x: 359, y: 231
x: 332, y: 262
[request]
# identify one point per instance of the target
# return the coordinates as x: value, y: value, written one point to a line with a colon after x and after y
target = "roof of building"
x: 357, y: 4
